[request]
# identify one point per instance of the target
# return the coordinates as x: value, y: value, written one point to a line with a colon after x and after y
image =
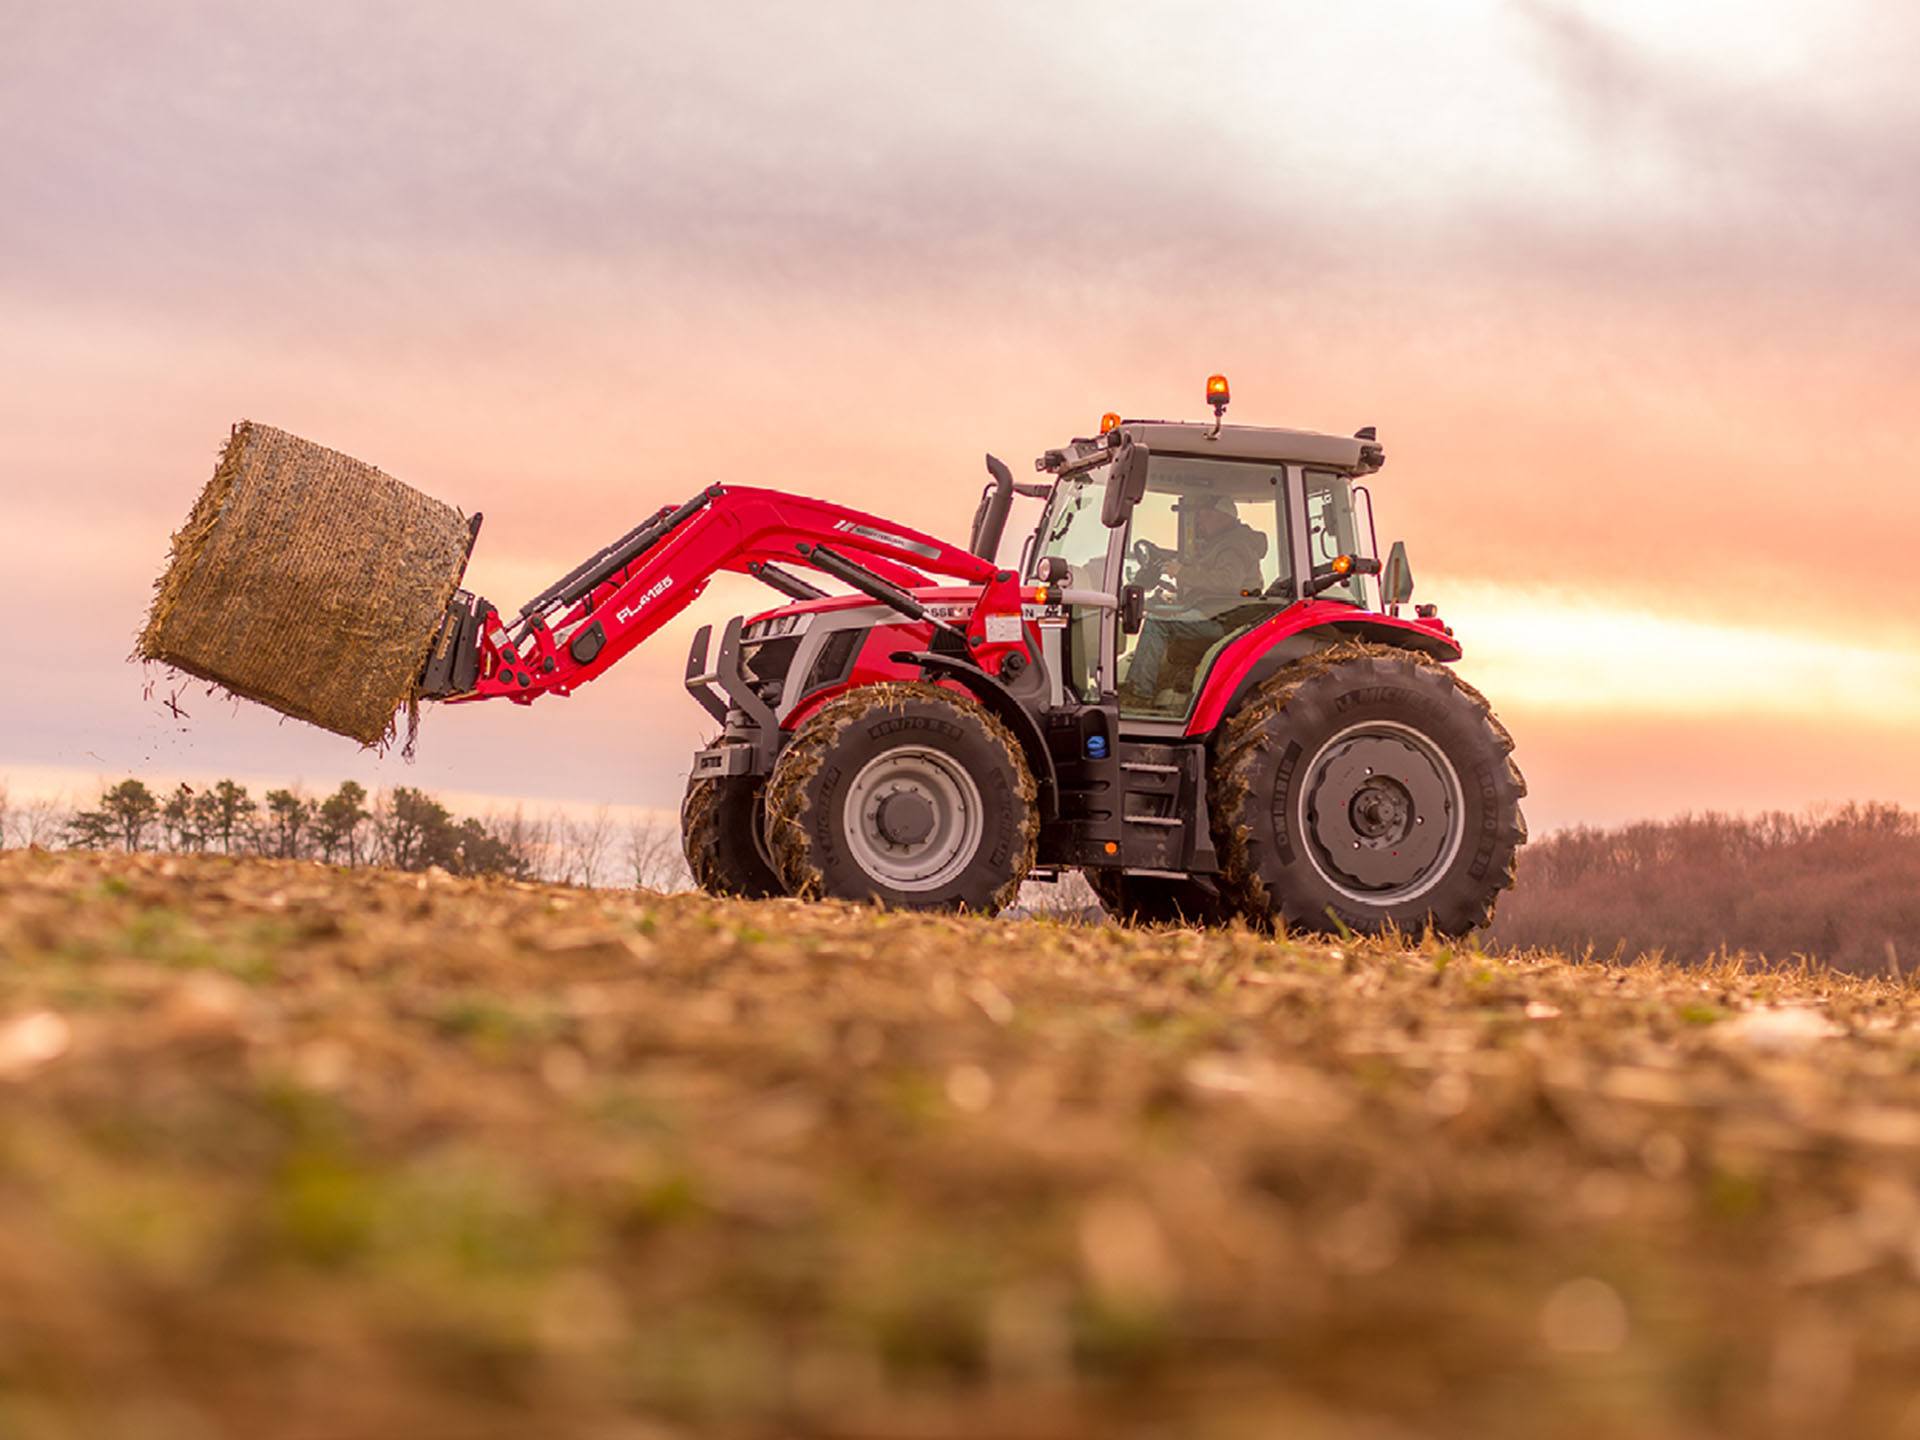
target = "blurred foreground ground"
x: 295, y: 1152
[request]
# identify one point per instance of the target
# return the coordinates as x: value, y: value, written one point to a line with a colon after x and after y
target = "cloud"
x: 243, y: 142
x: 1627, y: 298
x: 236, y: 160
x: 1553, y: 651
x: 1701, y: 172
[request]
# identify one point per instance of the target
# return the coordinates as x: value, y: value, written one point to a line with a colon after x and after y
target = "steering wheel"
x: 1151, y: 561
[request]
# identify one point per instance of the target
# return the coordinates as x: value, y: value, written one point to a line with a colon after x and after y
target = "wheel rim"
x: 913, y: 819
x: 1382, y: 812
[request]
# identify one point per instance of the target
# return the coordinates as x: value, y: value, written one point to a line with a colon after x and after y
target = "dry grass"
x: 298, y: 1152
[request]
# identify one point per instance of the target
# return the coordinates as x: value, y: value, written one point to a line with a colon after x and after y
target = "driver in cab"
x: 1221, y: 567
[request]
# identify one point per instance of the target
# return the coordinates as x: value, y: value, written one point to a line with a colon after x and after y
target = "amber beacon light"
x: 1217, y: 393
x: 1109, y: 422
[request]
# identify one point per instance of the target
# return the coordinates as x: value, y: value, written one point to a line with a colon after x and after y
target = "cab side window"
x: 1332, y: 531
x: 1208, y: 547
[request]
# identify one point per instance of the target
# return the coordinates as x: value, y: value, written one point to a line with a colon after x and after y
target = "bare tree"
x: 531, y: 841
x: 583, y: 847
x: 6, y: 816
x: 654, y: 857
x: 42, y: 821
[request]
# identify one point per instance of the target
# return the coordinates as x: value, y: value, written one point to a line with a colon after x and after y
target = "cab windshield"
x: 1071, y: 529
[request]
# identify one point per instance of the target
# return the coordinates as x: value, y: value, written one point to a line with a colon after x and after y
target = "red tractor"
x: 1197, y: 687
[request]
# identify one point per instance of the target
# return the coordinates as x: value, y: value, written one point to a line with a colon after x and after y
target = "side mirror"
x: 1133, y: 609
x: 1126, y: 483
x: 1396, y: 577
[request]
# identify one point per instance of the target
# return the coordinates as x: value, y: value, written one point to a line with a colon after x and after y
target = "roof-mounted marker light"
x: 1217, y: 397
x: 1108, y: 422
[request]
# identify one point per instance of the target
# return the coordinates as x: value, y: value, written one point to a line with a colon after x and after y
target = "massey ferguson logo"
x: 629, y: 611
x: 899, y: 542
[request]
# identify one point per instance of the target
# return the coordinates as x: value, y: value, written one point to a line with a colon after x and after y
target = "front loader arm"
x: 579, y: 626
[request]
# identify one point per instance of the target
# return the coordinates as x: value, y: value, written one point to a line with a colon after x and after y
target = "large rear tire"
x: 717, y: 822
x: 1158, y: 899
x: 1366, y: 787
x: 910, y: 796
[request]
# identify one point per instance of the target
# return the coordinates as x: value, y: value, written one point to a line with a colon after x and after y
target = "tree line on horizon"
x: 403, y: 828
x: 1840, y: 884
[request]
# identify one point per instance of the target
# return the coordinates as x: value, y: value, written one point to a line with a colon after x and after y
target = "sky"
x: 1627, y: 290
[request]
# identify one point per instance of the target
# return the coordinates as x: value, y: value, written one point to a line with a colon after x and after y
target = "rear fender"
x: 1294, y: 634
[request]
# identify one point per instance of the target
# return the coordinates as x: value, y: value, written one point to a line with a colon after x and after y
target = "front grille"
x: 766, y: 663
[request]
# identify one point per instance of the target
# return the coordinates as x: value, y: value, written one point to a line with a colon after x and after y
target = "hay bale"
x: 309, y: 582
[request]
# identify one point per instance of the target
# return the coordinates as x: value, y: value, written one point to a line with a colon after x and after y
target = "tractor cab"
x: 1169, y: 541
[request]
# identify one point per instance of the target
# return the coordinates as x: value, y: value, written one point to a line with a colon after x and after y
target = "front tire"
x: 717, y: 823
x: 1369, y: 788
x: 910, y: 796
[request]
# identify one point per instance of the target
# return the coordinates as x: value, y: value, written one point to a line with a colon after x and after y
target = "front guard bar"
x: 735, y: 691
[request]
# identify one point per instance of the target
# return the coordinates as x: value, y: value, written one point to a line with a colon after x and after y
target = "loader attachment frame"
x: 613, y: 601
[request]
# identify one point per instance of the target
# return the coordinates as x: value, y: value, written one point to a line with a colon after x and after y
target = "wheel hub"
x: 905, y: 817
x: 913, y: 818
x: 1382, y: 811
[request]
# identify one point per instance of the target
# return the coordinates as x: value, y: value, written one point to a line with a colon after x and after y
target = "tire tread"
x: 789, y: 788
x: 1256, y: 727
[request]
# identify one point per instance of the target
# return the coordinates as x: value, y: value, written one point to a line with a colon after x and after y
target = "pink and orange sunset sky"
x: 1629, y: 290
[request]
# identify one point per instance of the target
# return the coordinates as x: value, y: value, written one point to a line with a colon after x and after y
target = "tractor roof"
x: 1255, y: 442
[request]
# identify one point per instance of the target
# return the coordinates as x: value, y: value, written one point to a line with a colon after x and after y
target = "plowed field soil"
x: 296, y: 1152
